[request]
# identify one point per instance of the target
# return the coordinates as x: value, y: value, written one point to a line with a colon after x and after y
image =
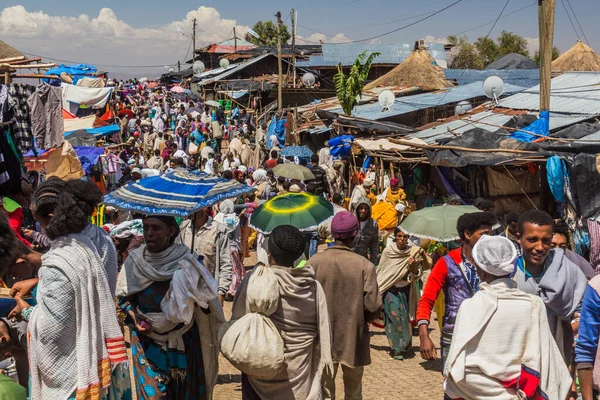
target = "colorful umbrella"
x: 436, y: 223
x: 179, y: 194
x: 302, y: 210
x: 153, y: 85
x: 293, y: 171
x: 177, y: 89
x: 296, y: 151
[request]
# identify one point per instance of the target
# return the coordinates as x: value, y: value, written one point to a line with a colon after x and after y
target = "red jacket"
x: 435, y: 284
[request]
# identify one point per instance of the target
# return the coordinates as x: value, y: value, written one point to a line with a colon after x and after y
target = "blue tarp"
x: 88, y: 156
x: 276, y: 128
x: 341, y: 146
x: 557, y: 175
x: 101, y: 131
x: 78, y: 71
x: 541, y: 126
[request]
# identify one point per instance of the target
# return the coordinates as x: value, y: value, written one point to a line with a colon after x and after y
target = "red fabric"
x: 107, y: 116
x: 272, y: 163
x: 15, y: 220
x: 67, y: 115
x: 528, y: 382
x: 435, y: 284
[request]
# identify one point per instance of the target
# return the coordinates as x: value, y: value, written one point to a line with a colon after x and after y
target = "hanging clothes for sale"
x: 45, y: 108
x: 18, y: 111
x: 10, y: 166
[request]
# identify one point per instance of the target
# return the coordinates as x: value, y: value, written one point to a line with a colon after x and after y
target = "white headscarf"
x: 259, y: 176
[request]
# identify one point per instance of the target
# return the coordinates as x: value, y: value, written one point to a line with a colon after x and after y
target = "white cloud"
x: 433, y: 39
x: 106, y: 39
x: 533, y: 44
x: 322, y: 38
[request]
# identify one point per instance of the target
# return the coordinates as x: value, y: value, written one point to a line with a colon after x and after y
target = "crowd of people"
x: 117, y: 305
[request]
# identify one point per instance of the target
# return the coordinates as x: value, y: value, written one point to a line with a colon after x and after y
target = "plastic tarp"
x: 78, y: 71
x: 585, y: 183
x: 74, y: 124
x: 557, y: 175
x: 88, y: 156
x: 341, y: 146
x: 101, y: 131
x: 541, y: 126
x: 277, y: 128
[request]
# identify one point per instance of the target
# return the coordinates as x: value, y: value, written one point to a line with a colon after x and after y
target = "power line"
x: 462, y: 73
x: 100, y: 65
x: 493, y: 21
x: 569, y: 15
x: 578, y: 24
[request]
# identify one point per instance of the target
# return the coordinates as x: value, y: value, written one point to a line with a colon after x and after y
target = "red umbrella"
x: 152, y: 85
x: 127, y: 112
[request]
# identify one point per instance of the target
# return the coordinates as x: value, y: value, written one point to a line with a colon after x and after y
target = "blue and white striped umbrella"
x: 178, y: 194
x: 296, y: 151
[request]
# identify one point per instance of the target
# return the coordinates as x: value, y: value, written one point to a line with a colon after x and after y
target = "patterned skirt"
x: 398, y: 328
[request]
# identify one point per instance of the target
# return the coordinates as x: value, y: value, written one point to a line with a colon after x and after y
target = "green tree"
x: 465, y: 54
x: 509, y: 42
x: 555, y: 55
x: 487, y: 49
x: 349, y: 87
x: 267, y: 32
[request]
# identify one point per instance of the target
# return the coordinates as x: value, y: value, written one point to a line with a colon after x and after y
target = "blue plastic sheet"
x: 276, y: 128
x: 88, y: 156
x: 557, y: 175
x: 540, y: 126
x: 78, y: 71
x: 101, y: 131
x: 341, y: 146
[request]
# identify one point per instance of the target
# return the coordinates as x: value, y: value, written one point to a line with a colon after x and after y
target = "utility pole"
x: 294, y: 47
x: 194, y: 43
x: 546, y: 10
x: 178, y: 66
x: 234, y: 40
x: 280, y: 88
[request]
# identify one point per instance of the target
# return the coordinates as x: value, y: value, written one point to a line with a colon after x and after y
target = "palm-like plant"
x: 349, y: 87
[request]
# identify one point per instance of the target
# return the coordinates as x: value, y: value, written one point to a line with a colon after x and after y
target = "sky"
x: 142, y: 37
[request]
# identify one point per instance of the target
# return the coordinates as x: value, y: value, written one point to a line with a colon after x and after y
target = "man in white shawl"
x: 502, y: 346
x: 302, y: 319
x: 360, y: 194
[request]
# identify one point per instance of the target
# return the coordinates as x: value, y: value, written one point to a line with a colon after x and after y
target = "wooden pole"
x: 280, y: 68
x: 234, y: 40
x: 194, y: 43
x: 294, y: 47
x: 546, y: 10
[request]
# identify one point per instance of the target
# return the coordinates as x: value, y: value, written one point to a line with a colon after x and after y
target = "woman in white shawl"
x: 400, y: 268
x: 76, y: 348
x: 171, y: 304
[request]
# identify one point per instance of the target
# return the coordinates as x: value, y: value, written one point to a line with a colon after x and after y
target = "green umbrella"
x: 437, y: 223
x: 293, y: 171
x: 302, y: 210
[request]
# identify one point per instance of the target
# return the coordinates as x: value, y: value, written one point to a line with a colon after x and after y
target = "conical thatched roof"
x: 7, y: 51
x: 580, y: 57
x: 419, y: 69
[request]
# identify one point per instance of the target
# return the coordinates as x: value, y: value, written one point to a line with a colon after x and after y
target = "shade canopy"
x: 293, y: 171
x: 436, y: 223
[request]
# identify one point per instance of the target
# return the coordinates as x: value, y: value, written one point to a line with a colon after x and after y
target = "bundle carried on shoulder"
x: 253, y: 344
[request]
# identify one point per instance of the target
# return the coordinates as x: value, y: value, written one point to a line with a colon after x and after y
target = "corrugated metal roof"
x: 333, y: 54
x: 230, y: 71
x: 570, y: 93
x: 491, y: 122
x: 407, y: 104
x: 519, y: 77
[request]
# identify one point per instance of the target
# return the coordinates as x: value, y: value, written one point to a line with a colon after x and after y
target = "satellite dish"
x: 198, y: 67
x: 171, y: 70
x: 493, y: 87
x: 462, y: 107
x: 308, y: 79
x: 386, y: 99
x: 252, y: 33
x: 224, y: 63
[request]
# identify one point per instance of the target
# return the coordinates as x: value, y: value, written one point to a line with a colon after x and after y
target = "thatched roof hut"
x: 7, y: 51
x: 419, y: 69
x: 580, y: 57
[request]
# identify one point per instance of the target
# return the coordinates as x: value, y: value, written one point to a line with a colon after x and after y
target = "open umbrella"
x: 436, y: 223
x: 296, y: 151
x: 193, y: 109
x: 302, y: 210
x: 293, y: 171
x: 177, y: 89
x: 178, y: 194
x: 127, y: 112
x: 153, y: 85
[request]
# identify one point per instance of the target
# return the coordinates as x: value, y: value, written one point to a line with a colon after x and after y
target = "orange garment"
x: 395, y: 197
x: 385, y: 215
